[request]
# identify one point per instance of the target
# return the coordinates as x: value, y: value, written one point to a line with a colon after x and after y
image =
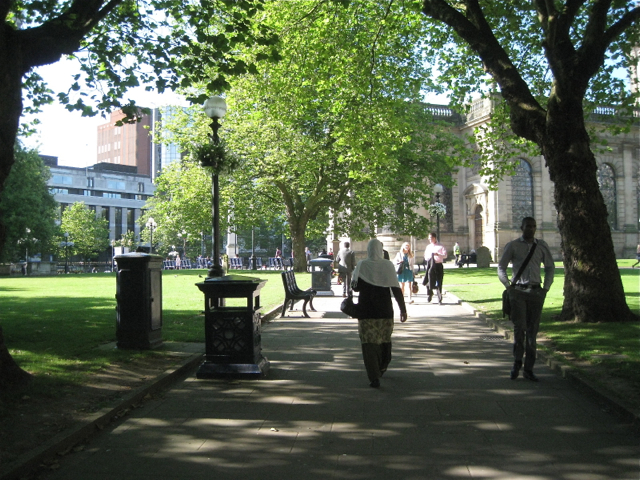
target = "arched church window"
x: 522, y: 192
x: 607, y: 182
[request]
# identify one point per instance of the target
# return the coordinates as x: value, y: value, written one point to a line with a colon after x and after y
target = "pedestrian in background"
x: 457, y: 253
x: 526, y: 293
x: 346, y: 264
x: 405, y: 258
x: 434, y: 255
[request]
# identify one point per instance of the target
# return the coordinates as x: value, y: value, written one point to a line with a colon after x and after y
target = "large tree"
x: 28, y: 207
x: 552, y: 61
x: 337, y: 125
x: 119, y: 44
x: 89, y: 235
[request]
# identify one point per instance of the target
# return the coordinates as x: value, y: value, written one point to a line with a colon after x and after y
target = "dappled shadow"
x: 446, y: 409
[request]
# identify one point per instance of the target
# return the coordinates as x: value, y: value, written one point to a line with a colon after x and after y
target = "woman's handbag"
x: 400, y: 268
x: 347, y: 306
x: 414, y: 287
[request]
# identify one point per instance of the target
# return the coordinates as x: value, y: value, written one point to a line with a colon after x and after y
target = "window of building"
x: 111, y: 195
x: 62, y: 179
x: 86, y: 193
x: 116, y: 184
x: 522, y: 193
x: 140, y: 187
x: 131, y: 223
x: 140, y: 197
x: 63, y: 191
x: 607, y: 182
x: 90, y: 182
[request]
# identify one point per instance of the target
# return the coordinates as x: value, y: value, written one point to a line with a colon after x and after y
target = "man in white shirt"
x: 527, y: 295
x: 434, y: 255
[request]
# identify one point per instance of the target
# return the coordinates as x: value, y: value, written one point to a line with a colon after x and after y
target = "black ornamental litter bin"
x: 233, y: 342
x: 139, y: 301
x: 321, y: 272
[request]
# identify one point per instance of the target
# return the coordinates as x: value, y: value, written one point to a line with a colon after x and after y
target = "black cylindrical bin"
x: 139, y: 301
x: 321, y: 271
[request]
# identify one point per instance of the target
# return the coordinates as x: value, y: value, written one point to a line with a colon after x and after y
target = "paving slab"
x: 446, y: 409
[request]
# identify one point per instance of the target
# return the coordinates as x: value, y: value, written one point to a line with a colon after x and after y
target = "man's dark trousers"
x: 526, y: 308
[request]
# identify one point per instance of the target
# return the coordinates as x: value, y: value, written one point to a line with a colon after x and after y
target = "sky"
x: 69, y: 136
x: 73, y: 138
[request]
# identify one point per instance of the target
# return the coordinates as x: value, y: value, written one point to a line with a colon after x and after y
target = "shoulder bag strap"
x: 524, y: 264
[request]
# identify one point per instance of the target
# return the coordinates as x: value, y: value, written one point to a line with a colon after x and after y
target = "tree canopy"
x: 336, y: 123
x: 551, y: 62
x: 90, y: 235
x: 28, y: 207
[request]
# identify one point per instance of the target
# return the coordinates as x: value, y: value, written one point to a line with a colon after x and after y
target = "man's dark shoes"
x: 375, y: 384
x: 429, y: 297
x: 529, y: 375
x: 515, y: 370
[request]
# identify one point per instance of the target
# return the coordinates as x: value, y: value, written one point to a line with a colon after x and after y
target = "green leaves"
x: 90, y: 235
x: 27, y: 207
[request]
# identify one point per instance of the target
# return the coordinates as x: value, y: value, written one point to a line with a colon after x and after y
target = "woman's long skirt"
x: 375, y: 336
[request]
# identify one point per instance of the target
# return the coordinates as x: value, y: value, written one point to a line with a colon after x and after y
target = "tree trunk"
x: 593, y: 290
x: 10, y: 110
x: 297, y: 229
x: 11, y: 375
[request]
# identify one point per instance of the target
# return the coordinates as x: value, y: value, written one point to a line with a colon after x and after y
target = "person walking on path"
x: 457, y: 253
x: 307, y: 256
x: 405, y: 258
x: 376, y: 279
x: 278, y: 257
x: 637, y: 257
x: 346, y: 264
x: 434, y: 255
x: 527, y: 293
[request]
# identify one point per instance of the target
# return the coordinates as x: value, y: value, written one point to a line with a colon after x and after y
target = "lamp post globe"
x: 151, y: 225
x: 215, y: 108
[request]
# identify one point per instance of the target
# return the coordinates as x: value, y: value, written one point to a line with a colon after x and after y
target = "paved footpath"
x: 446, y: 409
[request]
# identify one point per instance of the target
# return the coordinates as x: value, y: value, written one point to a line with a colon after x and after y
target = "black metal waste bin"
x: 233, y: 342
x: 139, y: 301
x: 321, y: 271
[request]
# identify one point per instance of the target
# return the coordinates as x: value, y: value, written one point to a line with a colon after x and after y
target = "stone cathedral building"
x: 477, y: 216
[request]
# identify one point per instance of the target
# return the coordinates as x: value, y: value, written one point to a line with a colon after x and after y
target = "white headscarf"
x: 375, y: 269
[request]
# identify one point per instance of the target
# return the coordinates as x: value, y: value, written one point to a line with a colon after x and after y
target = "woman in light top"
x: 406, y: 258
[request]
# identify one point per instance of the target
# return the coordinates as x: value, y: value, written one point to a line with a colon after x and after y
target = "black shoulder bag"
x: 506, y: 305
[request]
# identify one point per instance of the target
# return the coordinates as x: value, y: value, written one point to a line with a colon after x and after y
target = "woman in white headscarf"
x: 376, y: 279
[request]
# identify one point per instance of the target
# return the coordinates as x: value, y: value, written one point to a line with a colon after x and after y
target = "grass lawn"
x: 52, y: 325
x: 615, y: 346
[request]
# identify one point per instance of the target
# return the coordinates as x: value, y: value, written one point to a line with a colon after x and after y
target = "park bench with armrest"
x: 293, y: 293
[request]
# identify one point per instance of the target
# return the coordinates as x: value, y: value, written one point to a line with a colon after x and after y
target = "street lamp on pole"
x: 113, y: 253
x: 151, y: 225
x: 438, y: 189
x: 215, y: 108
x: 66, y: 243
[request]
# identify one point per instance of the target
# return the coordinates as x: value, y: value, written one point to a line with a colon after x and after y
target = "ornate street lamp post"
x: 438, y: 189
x: 151, y: 225
x: 215, y: 108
